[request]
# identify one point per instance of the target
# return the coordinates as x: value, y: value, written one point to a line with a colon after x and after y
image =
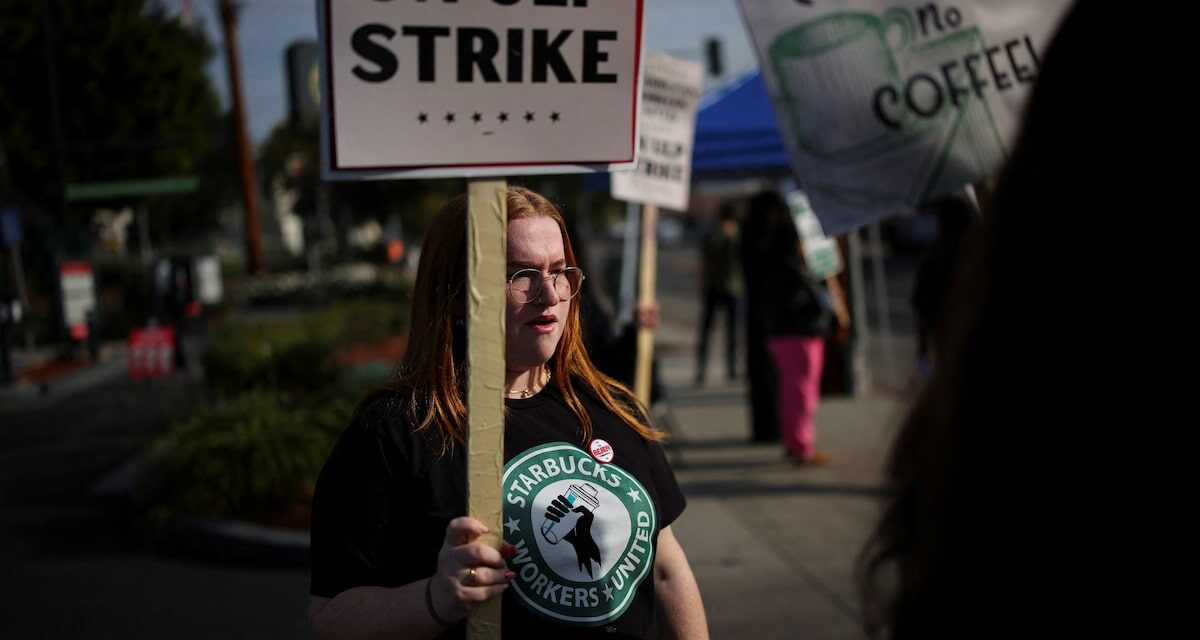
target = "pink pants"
x: 798, y: 362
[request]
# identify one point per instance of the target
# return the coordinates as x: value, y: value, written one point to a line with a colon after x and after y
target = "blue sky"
x: 267, y: 27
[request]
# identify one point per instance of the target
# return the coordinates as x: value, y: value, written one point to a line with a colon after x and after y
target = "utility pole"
x: 245, y: 160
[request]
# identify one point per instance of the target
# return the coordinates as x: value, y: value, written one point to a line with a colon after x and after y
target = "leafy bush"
x: 337, y: 283
x: 242, y: 457
x: 280, y: 400
x: 297, y: 355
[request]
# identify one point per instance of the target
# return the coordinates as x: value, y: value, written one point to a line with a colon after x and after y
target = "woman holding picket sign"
x: 588, y: 494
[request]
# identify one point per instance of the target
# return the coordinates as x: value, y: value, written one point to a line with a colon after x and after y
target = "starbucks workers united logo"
x: 582, y: 531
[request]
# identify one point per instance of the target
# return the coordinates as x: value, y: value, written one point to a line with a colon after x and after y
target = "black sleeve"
x: 671, y: 502
x: 595, y: 322
x: 613, y: 354
x: 351, y: 505
x: 620, y: 355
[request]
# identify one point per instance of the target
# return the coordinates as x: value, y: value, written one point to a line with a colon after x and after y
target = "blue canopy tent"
x: 737, y: 134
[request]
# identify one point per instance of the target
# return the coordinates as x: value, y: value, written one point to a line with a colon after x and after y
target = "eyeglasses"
x: 525, y: 286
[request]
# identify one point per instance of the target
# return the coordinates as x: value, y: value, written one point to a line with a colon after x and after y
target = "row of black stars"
x: 450, y: 117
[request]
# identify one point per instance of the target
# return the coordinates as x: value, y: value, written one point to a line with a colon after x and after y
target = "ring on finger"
x: 471, y: 575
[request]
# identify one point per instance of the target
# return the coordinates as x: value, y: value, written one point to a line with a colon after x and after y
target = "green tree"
x: 294, y: 153
x: 134, y: 99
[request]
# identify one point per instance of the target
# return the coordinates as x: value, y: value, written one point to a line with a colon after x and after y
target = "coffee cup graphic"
x: 829, y: 69
x: 577, y: 496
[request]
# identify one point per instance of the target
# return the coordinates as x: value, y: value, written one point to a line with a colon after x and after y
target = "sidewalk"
x: 773, y: 545
x: 42, y: 377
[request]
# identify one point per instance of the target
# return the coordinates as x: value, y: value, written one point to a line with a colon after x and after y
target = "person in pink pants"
x: 798, y: 362
x: 797, y: 314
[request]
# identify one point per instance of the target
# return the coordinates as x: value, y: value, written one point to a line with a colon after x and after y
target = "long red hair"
x: 432, y: 374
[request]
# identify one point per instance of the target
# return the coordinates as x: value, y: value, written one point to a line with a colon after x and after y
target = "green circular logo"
x: 582, y: 531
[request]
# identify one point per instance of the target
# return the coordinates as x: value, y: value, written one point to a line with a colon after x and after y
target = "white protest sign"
x: 207, y: 271
x: 821, y: 252
x: 78, y: 296
x: 442, y: 88
x: 670, y: 88
x: 885, y: 105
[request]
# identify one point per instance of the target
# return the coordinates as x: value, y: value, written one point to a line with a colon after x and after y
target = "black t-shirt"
x: 585, y: 529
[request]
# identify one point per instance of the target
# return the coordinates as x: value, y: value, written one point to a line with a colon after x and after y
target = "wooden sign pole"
x: 647, y: 271
x: 487, y: 257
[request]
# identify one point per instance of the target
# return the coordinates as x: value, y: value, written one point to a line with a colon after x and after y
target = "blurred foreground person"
x: 1005, y: 483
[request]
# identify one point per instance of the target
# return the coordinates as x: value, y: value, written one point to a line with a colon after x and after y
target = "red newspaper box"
x: 151, y: 352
